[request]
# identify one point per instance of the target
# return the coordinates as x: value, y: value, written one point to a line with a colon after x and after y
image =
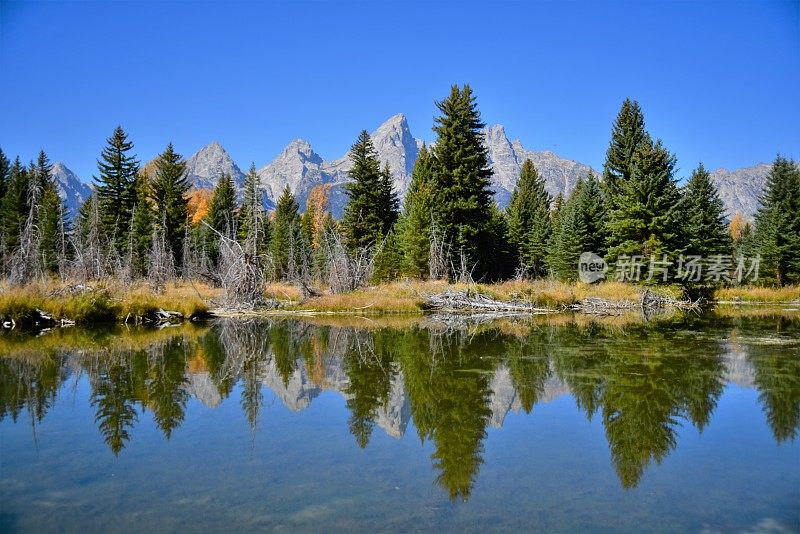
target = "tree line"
x: 139, y: 222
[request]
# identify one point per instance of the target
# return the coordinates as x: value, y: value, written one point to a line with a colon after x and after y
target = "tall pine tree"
x: 141, y: 238
x: 253, y: 219
x: 286, y: 244
x: 116, y: 187
x: 704, y: 228
x: 643, y: 196
x: 580, y: 228
x: 5, y: 171
x: 529, y: 224
x: 371, y: 208
x: 168, y: 188
x: 414, y: 226
x: 461, y: 179
x: 627, y: 135
x: 777, y: 233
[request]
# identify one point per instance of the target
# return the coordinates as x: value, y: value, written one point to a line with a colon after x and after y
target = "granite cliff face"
x: 205, y: 167
x: 70, y: 188
x: 741, y: 189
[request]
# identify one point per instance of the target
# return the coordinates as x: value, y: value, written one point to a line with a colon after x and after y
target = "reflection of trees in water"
x: 369, y: 364
x: 449, y: 393
x: 643, y: 381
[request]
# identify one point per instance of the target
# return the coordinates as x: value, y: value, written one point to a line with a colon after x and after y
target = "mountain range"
x: 300, y: 168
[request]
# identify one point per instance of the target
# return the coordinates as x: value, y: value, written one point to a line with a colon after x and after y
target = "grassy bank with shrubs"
x: 117, y: 303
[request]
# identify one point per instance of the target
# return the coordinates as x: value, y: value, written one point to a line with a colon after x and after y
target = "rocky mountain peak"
x: 205, y: 166
x: 70, y: 188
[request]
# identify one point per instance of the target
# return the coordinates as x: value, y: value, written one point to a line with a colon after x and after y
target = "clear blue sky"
x: 718, y: 82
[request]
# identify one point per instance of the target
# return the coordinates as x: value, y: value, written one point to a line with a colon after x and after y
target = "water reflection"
x: 643, y: 380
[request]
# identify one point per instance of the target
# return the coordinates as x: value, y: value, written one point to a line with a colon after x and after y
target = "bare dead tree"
x: 26, y: 262
x: 462, y: 272
x: 162, y: 264
x: 347, y: 271
x: 239, y: 273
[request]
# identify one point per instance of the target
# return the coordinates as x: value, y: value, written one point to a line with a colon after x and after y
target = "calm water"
x: 558, y: 424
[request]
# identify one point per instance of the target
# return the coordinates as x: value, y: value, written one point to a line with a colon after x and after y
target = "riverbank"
x: 50, y: 303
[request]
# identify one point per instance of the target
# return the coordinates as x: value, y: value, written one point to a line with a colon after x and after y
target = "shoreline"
x: 53, y: 303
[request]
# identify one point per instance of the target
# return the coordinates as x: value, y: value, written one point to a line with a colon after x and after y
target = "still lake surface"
x: 560, y: 423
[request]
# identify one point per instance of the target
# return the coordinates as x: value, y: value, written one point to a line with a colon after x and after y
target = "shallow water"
x: 557, y: 424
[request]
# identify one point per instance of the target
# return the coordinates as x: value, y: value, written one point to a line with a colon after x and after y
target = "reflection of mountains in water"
x: 299, y: 390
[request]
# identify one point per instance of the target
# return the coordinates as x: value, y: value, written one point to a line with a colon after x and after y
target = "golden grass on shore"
x: 753, y: 294
x: 102, y: 303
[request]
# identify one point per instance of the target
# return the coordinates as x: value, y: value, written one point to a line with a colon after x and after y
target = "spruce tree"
x: 221, y: 215
x: 704, y: 228
x: 414, y: 226
x: 116, y: 187
x: 252, y: 216
x: 5, y: 171
x: 50, y: 216
x: 580, y: 228
x: 777, y: 233
x: 142, y: 223
x: 168, y: 188
x: 285, y: 245
x: 529, y: 224
x: 461, y: 180
x: 644, y: 210
x: 14, y: 209
x: 627, y: 134
x: 371, y: 208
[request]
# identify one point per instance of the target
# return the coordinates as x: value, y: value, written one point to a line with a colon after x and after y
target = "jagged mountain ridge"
x: 300, y: 168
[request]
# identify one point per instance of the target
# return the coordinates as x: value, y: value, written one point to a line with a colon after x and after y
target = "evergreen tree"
x: 644, y: 209
x: 221, y: 213
x: 169, y: 187
x: 371, y: 208
x: 388, y: 259
x: 414, y: 226
x: 5, y: 171
x: 529, y: 224
x: 704, y: 228
x: 116, y: 187
x: 286, y: 235
x: 51, y: 220
x: 627, y: 135
x: 15, y: 207
x: 777, y: 233
x: 461, y: 180
x: 141, y: 238
x: 252, y: 216
x: 580, y: 228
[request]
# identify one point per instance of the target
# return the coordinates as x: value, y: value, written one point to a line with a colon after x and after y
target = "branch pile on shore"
x: 649, y: 302
x: 467, y: 301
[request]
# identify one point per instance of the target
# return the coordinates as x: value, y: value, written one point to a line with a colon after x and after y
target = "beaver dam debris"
x: 466, y: 301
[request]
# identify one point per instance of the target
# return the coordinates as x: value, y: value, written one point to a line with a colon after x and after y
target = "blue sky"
x: 718, y: 82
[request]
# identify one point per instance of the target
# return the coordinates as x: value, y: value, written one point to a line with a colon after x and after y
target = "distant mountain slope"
x: 70, y: 188
x: 741, y: 189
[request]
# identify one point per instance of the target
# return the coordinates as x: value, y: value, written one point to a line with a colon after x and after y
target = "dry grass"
x: 773, y: 295
x: 408, y: 296
x: 104, y: 303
